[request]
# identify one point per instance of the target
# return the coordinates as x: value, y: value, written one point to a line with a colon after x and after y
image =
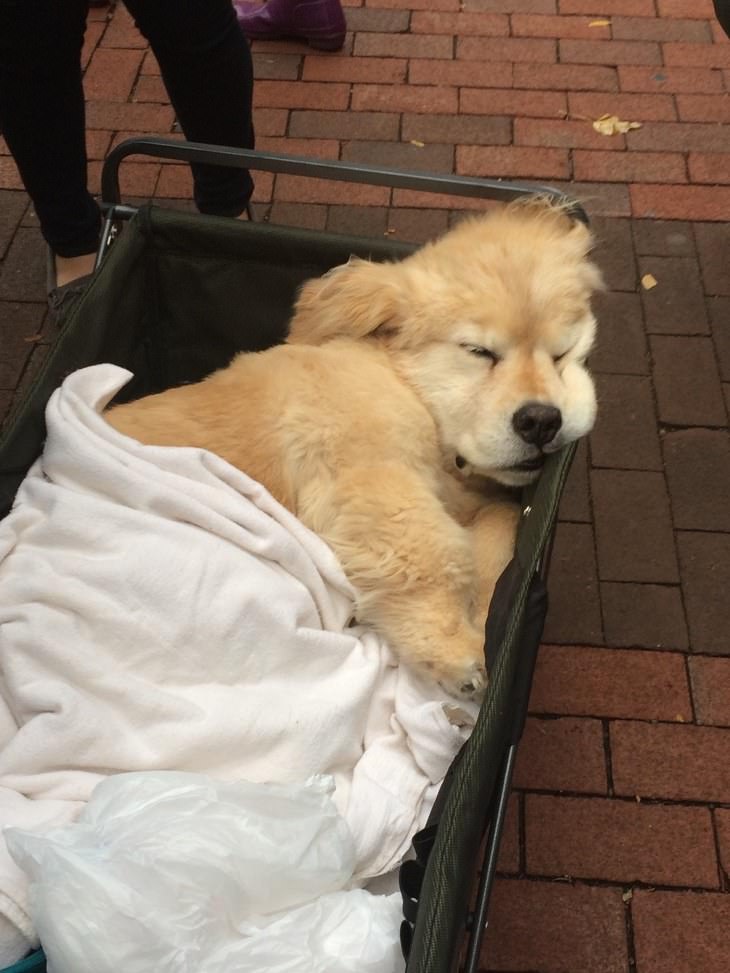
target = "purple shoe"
x: 321, y: 23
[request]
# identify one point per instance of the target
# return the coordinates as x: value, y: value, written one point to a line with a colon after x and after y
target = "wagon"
x: 176, y: 295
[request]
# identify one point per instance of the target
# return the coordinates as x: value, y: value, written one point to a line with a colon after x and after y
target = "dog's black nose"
x: 536, y: 423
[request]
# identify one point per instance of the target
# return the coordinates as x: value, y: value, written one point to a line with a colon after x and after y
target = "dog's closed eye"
x: 480, y: 352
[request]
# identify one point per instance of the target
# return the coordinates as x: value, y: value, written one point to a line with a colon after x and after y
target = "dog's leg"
x: 411, y: 564
x: 492, y: 532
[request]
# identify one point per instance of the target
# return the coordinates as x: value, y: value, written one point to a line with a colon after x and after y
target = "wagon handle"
x: 198, y: 152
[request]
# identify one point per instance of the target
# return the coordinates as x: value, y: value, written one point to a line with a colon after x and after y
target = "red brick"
x: 433, y: 157
x: 704, y: 108
x: 709, y: 167
x: 418, y: 200
x: 362, y: 18
x: 111, y: 115
x: 9, y: 175
x: 138, y: 179
x: 719, y: 35
x: 312, y: 148
x: 175, y: 182
x: 698, y: 55
x: 629, y: 166
x: 681, y: 399
x: 506, y: 49
x: 509, y: 847
x: 509, y: 160
x: 567, y: 134
x: 536, y: 25
x: 622, y: 841
x: 681, y: 932
x: 698, y: 80
x: 535, y: 104
x: 293, y: 189
x: 625, y: 435
x: 683, y: 763
x: 657, y: 29
x: 710, y: 680
x: 485, y: 24
x: 385, y: 70
x: 562, y: 755
x: 681, y: 202
x: 301, y: 94
x: 609, y: 52
x: 502, y: 6
x: 466, y: 73
x: 263, y: 187
x: 417, y: 225
x: 600, y: 199
x: 150, y: 65
x: 636, y: 8
x: 293, y: 47
x: 402, y: 45
x: 97, y: 144
x: 271, y: 121
x: 307, y: 215
x: 121, y: 31
x: 276, y: 67
x: 685, y: 8
x: 364, y: 221
x: 456, y: 129
x: 623, y: 683
x: 705, y: 560
x: 94, y: 31
x: 404, y: 98
x: 416, y: 4
x: 573, y: 77
x: 680, y: 137
x: 151, y: 89
x: 555, y: 927
x: 111, y: 74
x: 343, y: 125
x: 639, y: 108
x: 713, y: 246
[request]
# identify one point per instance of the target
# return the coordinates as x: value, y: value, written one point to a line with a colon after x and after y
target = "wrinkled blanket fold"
x: 160, y: 610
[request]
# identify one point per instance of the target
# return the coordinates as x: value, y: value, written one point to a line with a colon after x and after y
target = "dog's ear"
x: 353, y: 300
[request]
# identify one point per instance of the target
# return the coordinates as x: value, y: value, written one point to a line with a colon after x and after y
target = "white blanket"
x: 160, y: 610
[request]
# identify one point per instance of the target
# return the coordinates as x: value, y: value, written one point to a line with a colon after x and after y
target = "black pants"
x: 722, y: 11
x: 206, y: 66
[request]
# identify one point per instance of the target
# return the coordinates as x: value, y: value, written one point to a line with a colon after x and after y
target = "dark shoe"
x: 321, y: 23
x: 61, y: 299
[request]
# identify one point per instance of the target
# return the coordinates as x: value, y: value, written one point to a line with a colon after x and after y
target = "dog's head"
x: 491, y: 324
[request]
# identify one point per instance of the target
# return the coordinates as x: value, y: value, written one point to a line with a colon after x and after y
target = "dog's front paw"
x: 467, y: 681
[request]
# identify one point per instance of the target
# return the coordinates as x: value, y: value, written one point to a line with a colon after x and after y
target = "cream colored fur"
x: 356, y: 424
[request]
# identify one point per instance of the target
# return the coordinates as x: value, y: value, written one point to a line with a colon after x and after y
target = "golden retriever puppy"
x: 406, y: 393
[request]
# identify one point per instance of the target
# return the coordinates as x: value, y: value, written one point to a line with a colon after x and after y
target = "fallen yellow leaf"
x: 627, y: 895
x: 419, y: 145
x: 600, y: 23
x: 613, y: 125
x: 648, y: 281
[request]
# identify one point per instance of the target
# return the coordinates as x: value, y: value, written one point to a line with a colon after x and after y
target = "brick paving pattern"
x: 616, y: 857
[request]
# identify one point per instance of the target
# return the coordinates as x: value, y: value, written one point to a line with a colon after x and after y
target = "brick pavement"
x: 616, y: 856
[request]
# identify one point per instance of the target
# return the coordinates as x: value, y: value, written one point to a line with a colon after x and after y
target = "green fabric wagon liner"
x: 176, y: 296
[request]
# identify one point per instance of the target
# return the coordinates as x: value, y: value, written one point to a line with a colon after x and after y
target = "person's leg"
x: 722, y: 12
x: 42, y: 119
x: 206, y: 65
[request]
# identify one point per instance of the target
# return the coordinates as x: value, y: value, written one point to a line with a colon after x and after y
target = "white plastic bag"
x: 176, y: 872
